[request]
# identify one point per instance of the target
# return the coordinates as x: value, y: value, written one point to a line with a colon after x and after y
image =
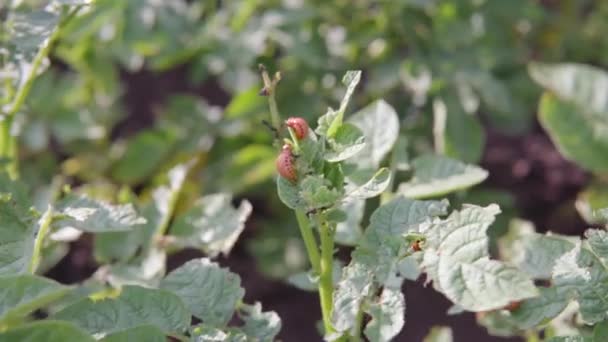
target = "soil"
x: 542, y: 181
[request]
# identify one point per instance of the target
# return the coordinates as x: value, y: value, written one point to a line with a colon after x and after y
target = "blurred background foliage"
x: 136, y: 86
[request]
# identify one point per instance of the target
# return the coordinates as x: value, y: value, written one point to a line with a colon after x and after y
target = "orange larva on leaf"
x: 416, y: 246
x: 286, y: 164
x: 299, y: 127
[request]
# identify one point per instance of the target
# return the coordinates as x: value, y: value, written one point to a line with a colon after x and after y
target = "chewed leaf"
x: 260, y: 325
x: 136, y: 306
x: 387, y: 315
x: 210, y: 292
x: 583, y: 273
x: 289, y: 194
x: 456, y: 258
x: 212, y: 224
x: 436, y: 175
x: 347, y: 142
x: 97, y: 217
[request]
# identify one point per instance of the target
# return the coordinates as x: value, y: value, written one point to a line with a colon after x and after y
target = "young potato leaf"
x: 456, y: 258
x: 205, y: 333
x: 436, y: 175
x: 329, y: 123
x: 148, y: 333
x: 47, y: 331
x: 347, y: 142
x: 578, y: 135
x: 387, y: 315
x: 23, y: 294
x: 289, y: 194
x: 212, y: 293
x: 316, y: 192
x: 212, y: 224
x: 380, y: 125
x: 134, y: 307
x: 94, y: 216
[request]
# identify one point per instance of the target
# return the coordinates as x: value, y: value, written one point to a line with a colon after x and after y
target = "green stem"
x: 8, y: 143
x: 326, y: 286
x: 294, y: 139
x: 309, y: 241
x: 44, y: 225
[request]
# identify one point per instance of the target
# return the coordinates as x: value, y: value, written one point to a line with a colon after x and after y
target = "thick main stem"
x: 326, y: 286
x: 309, y: 241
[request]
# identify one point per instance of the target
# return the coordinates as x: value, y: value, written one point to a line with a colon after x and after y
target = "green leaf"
x: 439, y: 334
x: 347, y: 142
x: 136, y: 306
x: 387, y: 316
x: 317, y: 192
x: 380, y: 125
x: 375, y: 260
x: 539, y: 310
x: 289, y: 194
x: 47, y: 331
x: 144, y: 153
x: 211, y: 292
x: 148, y: 333
x: 205, y: 333
x: 579, y: 136
x: 259, y: 325
x: 598, y: 241
x: 354, y: 286
x: 570, y: 339
x: 591, y: 200
x: 584, y: 273
x: 372, y: 187
x: 456, y: 258
x: 23, y: 294
x: 536, y: 253
x: 16, y: 239
x: 583, y: 85
x: 212, y: 224
x: 600, y: 332
x: 457, y: 134
x: 329, y: 123
x: 436, y: 176
x: 349, y: 231
x: 94, y: 216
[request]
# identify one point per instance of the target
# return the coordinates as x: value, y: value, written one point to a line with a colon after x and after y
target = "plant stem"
x: 326, y: 286
x: 309, y: 241
x: 8, y: 142
x: 44, y: 225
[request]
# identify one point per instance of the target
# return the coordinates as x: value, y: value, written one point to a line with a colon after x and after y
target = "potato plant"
x: 362, y: 179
